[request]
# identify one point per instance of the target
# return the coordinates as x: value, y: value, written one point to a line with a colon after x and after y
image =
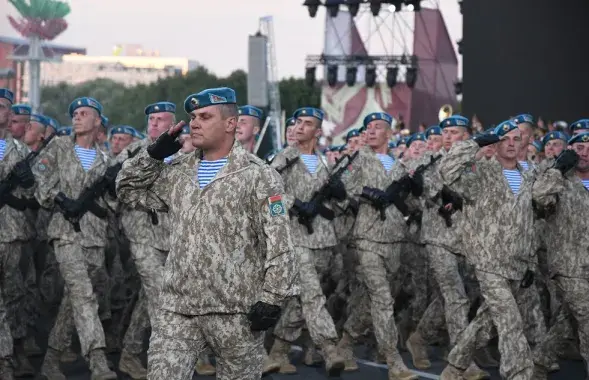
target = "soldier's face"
x: 119, y: 141
x: 354, y: 144
x: 18, y: 125
x: 400, y: 150
x: 34, y: 133
x: 378, y: 134
x: 85, y: 120
x: 306, y: 129
x: 329, y: 156
x: 526, y: 131
x: 489, y: 151
x: 247, y: 128
x: 435, y: 143
x: 158, y: 123
x: 5, y: 112
x: 533, y: 155
x: 101, y: 135
x: 416, y: 149
x: 553, y: 148
x: 510, y: 144
x: 451, y: 135
x: 290, y: 136
x: 582, y: 150
x: 208, y: 128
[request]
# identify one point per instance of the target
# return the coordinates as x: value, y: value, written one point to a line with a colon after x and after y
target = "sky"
x: 213, y: 33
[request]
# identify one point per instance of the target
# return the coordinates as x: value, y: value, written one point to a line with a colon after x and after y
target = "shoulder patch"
x: 276, y: 206
x: 471, y: 169
x: 42, y: 164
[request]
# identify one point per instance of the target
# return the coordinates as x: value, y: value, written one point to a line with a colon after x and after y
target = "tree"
x: 125, y: 105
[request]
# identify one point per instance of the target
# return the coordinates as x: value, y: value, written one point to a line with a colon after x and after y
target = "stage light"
x: 333, y: 7
x: 392, y: 73
x: 411, y: 76
x: 396, y: 5
x: 312, y: 6
x: 370, y: 76
x: 332, y: 75
x: 310, y: 76
x: 458, y: 87
x: 413, y: 5
x: 375, y: 7
x: 353, y: 6
x: 459, y: 43
x: 351, y: 75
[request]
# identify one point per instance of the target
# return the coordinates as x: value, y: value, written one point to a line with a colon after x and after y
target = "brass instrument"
x: 445, y: 112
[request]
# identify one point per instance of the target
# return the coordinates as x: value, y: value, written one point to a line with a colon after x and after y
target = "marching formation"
x: 445, y: 238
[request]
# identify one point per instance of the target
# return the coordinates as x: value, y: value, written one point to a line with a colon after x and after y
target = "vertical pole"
x: 35, y: 57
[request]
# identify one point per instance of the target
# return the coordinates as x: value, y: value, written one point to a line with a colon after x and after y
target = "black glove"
x: 336, y: 189
x: 354, y: 206
x: 70, y: 207
x: 417, y: 184
x: 528, y: 279
x: 165, y: 146
x: 263, y: 316
x: 305, y: 209
x: 112, y: 171
x: 25, y: 176
x: 378, y: 197
x: 486, y: 139
x: 32, y: 203
x: 566, y: 161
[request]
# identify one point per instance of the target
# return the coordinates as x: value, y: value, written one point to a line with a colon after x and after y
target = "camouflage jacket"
x: 300, y: 184
x: 16, y: 225
x: 137, y: 224
x: 498, y: 226
x: 58, y: 169
x: 566, y: 237
x: 367, y: 170
x: 230, y: 244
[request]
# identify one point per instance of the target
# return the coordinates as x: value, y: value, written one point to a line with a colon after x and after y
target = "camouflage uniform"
x: 80, y: 255
x: 499, y: 228
x: 238, y: 252
x: 568, y: 243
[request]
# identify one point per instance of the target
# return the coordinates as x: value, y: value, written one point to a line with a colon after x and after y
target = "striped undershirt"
x: 311, y: 162
x: 86, y: 156
x: 514, y: 178
x: 2, y: 149
x: 525, y: 165
x: 585, y: 183
x: 386, y: 160
x: 169, y: 159
x: 207, y: 170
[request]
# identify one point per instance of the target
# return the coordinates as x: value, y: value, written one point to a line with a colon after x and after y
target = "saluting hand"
x: 167, y: 144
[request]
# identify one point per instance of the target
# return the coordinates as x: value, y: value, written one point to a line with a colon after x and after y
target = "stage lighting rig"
x: 392, y: 73
x: 351, y: 72
x: 312, y: 6
x: 370, y: 76
x: 353, y: 6
x: 411, y: 76
x: 332, y: 75
x: 398, y: 4
x: 413, y: 5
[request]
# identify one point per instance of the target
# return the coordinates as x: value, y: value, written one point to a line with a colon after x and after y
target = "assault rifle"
x: 320, y: 196
x: 288, y: 164
x: 11, y: 182
x: 88, y: 197
x: 449, y: 196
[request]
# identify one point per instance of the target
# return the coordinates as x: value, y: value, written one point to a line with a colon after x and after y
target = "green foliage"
x: 41, y: 9
x: 125, y: 105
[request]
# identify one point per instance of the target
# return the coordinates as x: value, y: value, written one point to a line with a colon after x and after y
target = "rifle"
x: 449, y: 197
x: 11, y: 182
x: 320, y: 196
x: 88, y: 197
x: 288, y: 164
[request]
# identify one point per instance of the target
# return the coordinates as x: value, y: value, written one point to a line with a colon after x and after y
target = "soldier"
x: 289, y: 132
x: 186, y: 141
x: 435, y: 141
x: 554, y: 143
x: 304, y: 172
x: 353, y: 141
x: 499, y: 229
x: 35, y: 132
x: 363, y: 135
x: 580, y: 126
x: 248, y: 127
x: 487, y: 151
x: 52, y: 128
x: 232, y: 207
x: 377, y: 241
x: 120, y: 138
x: 562, y: 192
x: 65, y: 168
x: 102, y: 136
x: 525, y: 123
x: 64, y: 131
x: 401, y: 147
x: 535, y: 152
x: 21, y: 117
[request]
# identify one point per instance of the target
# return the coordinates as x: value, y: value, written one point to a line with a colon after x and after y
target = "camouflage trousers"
x: 81, y: 268
x: 309, y: 307
x: 503, y: 300
x: 13, y: 288
x: 31, y: 268
x: 51, y: 285
x: 414, y: 280
x: 377, y: 262
x: 149, y: 262
x: 133, y: 340
x: 5, y: 335
x: 452, y: 306
x: 576, y: 305
x: 178, y: 340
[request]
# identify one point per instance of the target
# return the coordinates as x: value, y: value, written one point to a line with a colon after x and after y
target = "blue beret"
x: 333, y: 148
x: 580, y: 138
x: 160, y: 107
x: 490, y: 131
x: 555, y: 135
x: 342, y: 148
x: 40, y: 119
x: 433, y: 130
x: 84, y: 102
x: 580, y: 124
x: 251, y: 111
x: 210, y: 97
x: 309, y: 111
x: 21, y: 109
x: 523, y: 118
x: 7, y: 94
x: 392, y: 144
x: 123, y: 130
x: 538, y: 145
x: 291, y: 122
x: 185, y: 130
x: 352, y: 133
x: 362, y: 129
x: 104, y: 121
x: 377, y: 116
x: 402, y: 141
x: 416, y: 137
x: 64, y: 131
x: 53, y: 123
x: 505, y: 127
x: 455, y: 121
